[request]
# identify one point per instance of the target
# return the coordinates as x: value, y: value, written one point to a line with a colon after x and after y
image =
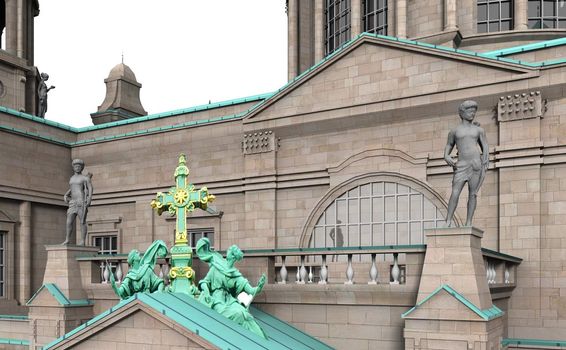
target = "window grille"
x: 495, y: 15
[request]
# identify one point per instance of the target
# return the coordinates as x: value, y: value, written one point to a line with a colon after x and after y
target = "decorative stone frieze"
x: 520, y: 106
x: 259, y: 142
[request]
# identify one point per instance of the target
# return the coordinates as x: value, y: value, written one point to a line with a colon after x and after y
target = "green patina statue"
x: 141, y: 277
x: 223, y: 284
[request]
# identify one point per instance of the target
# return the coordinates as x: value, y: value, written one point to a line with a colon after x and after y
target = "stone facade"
x: 377, y: 111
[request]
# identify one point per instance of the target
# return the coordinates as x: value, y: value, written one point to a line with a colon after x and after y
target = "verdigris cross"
x: 180, y: 200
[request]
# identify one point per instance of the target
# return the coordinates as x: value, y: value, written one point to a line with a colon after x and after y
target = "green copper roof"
x: 59, y: 296
x: 533, y: 342
x: 211, y: 326
x: 486, y: 314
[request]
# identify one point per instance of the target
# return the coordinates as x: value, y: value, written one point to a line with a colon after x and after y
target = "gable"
x: 50, y: 295
x: 141, y: 328
x: 447, y: 304
x: 196, y: 323
x: 374, y: 70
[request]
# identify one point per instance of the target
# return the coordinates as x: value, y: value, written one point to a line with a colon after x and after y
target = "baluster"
x: 119, y: 273
x: 507, y: 274
x: 303, y: 271
x: 323, y: 271
x: 349, y: 271
x: 102, y: 268
x: 494, y: 276
x: 283, y: 271
x: 373, y: 271
x: 310, y: 274
x: 487, y: 272
x: 298, y: 276
x: 395, y: 271
x: 161, y: 271
x: 106, y: 274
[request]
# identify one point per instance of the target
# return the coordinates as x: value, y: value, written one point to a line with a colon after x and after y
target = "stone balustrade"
x: 371, y: 265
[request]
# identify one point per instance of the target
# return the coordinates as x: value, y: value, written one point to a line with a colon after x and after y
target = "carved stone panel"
x: 259, y: 142
x: 520, y: 106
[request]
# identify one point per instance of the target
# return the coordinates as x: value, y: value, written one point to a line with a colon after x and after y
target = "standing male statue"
x: 471, y: 165
x: 78, y: 197
x: 42, y: 91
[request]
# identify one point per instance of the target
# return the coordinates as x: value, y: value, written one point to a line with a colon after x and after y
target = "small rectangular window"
x: 198, y: 233
x: 107, y: 244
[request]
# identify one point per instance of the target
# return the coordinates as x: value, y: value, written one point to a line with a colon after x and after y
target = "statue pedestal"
x: 63, y: 269
x: 61, y: 303
x: 454, y: 308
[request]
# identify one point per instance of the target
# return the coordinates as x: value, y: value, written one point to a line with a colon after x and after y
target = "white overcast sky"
x: 183, y: 52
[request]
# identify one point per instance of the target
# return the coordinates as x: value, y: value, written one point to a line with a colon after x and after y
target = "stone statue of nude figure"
x: 78, y: 197
x: 471, y: 165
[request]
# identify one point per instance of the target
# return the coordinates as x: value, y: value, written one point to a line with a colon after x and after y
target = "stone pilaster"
x: 318, y: 30
x: 356, y: 16
x: 401, y: 18
x: 521, y: 15
x: 450, y: 15
x: 24, y: 251
x: 293, y: 38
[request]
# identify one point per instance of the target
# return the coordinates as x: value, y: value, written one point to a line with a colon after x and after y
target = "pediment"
x: 372, y: 70
x: 447, y: 304
x: 177, y: 319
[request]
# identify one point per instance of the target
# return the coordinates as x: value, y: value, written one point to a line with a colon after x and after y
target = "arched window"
x: 374, y: 214
x: 546, y: 14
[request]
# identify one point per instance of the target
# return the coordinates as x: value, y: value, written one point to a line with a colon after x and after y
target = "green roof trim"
x: 191, y: 123
x: 487, y: 314
x: 533, y: 342
x: 199, y: 108
x: 59, y: 296
x: 526, y: 48
x: 502, y: 255
x: 11, y: 341
x: 37, y: 119
x: 177, y: 112
x: 210, y: 325
x: 14, y: 317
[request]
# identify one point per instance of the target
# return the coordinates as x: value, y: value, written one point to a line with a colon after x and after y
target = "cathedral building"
x: 335, y: 186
